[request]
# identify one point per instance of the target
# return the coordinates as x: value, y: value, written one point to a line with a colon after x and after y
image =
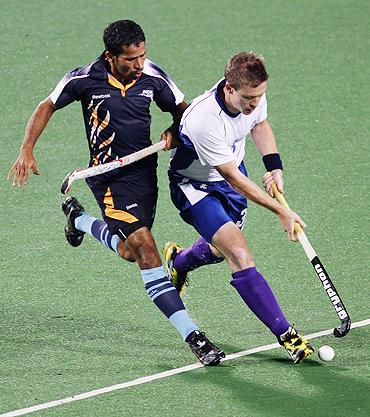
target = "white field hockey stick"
x: 325, y: 280
x: 83, y: 173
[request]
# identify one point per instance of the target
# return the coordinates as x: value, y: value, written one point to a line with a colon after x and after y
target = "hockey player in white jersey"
x: 210, y: 187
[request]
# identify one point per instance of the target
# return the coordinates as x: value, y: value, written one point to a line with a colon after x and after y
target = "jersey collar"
x: 220, y: 102
x: 100, y: 71
x: 113, y: 81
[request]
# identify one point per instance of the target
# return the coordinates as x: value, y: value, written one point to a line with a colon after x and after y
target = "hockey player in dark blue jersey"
x: 115, y: 93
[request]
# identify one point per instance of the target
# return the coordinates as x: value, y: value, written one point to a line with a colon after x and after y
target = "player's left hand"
x: 275, y: 176
x: 170, y: 138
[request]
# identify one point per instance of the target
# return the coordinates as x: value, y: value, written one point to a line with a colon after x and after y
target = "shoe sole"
x: 79, y: 235
x: 74, y: 243
x: 216, y: 360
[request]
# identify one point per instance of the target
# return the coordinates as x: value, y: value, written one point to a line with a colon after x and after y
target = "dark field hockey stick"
x: 325, y: 280
x: 82, y: 173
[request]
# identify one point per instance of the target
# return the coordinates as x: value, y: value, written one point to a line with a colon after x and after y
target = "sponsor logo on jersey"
x: 131, y: 206
x: 94, y: 97
x: 147, y: 93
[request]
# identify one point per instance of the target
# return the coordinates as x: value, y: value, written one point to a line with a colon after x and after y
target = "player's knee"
x: 241, y: 257
x: 148, y: 256
x: 143, y: 249
x: 124, y: 252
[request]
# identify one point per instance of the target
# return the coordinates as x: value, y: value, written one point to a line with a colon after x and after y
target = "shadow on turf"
x: 312, y: 388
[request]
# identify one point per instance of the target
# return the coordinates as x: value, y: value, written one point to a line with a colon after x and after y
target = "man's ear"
x: 229, y: 89
x: 108, y: 55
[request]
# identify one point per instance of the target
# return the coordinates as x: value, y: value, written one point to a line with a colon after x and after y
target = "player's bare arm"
x: 265, y: 142
x: 26, y: 161
x: 249, y: 189
x: 170, y: 135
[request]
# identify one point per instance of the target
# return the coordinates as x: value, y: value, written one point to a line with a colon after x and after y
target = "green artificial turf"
x: 74, y: 320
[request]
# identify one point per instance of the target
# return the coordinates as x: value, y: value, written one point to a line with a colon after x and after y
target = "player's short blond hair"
x: 246, y: 68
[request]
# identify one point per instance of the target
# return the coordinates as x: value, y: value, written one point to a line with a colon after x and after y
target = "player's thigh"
x: 213, y: 211
x: 230, y: 241
x: 206, y: 216
x: 126, y: 206
x: 219, y: 218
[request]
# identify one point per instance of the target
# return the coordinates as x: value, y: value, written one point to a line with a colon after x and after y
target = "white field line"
x: 145, y: 379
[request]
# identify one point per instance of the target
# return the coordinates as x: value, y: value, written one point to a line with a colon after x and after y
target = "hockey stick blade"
x: 343, y: 329
x: 64, y: 189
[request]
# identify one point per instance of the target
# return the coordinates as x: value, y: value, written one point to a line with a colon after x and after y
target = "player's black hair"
x: 122, y: 32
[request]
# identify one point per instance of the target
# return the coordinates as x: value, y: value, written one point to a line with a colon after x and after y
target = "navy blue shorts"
x: 126, y: 204
x: 207, y: 206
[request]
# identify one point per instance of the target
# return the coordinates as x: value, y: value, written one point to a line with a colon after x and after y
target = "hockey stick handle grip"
x: 281, y: 199
x: 303, y: 240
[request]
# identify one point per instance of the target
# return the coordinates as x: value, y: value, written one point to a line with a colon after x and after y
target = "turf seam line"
x: 161, y: 375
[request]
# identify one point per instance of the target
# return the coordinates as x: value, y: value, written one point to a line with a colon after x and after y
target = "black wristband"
x: 272, y: 161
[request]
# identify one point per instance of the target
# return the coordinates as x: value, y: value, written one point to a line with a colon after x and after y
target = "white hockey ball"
x: 326, y: 353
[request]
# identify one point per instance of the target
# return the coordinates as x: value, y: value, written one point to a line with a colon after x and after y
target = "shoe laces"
x: 200, y: 340
x: 294, y: 339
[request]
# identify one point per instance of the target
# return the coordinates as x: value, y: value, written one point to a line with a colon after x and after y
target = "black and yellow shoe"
x: 72, y: 209
x: 179, y: 281
x: 296, y: 345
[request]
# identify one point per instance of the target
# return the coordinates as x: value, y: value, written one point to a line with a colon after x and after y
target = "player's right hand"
x: 19, y: 172
x: 170, y: 138
x: 288, y: 218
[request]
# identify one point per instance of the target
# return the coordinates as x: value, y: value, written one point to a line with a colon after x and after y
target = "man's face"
x: 246, y: 99
x: 129, y: 64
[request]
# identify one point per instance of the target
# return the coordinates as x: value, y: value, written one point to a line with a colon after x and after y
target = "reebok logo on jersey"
x: 94, y: 97
x: 147, y: 93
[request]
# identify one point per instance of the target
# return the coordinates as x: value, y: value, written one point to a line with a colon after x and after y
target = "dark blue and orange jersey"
x: 117, y: 117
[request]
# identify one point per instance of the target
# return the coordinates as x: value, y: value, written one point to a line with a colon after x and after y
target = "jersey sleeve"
x: 166, y: 95
x: 66, y: 91
x: 206, y: 135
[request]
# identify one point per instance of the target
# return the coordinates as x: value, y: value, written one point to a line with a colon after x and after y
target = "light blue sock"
x: 166, y: 298
x: 97, y: 229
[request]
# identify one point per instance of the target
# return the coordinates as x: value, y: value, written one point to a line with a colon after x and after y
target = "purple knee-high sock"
x: 195, y: 256
x: 257, y: 294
